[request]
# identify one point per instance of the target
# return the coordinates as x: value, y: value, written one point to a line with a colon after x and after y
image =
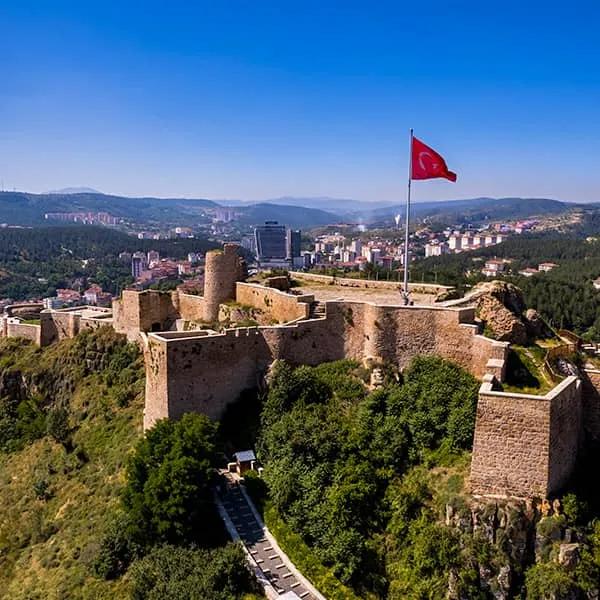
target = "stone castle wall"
x: 282, y: 307
x: 205, y: 373
x: 566, y: 433
x: 417, y: 288
x: 190, y: 307
x: 55, y: 325
x: 59, y: 326
x: 591, y: 405
x: 525, y: 445
x: 25, y: 330
x: 157, y: 380
x: 150, y: 310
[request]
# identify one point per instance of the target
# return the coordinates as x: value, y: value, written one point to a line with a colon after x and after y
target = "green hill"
x: 90, y: 508
x: 21, y: 208
x: 69, y: 416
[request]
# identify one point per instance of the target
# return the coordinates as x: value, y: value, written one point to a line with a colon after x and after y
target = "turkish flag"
x: 427, y: 163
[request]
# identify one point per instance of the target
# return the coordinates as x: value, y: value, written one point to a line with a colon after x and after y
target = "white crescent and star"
x: 433, y: 165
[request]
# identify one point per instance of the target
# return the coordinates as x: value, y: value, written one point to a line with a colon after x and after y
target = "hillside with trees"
x: 22, y: 208
x: 365, y: 488
x: 35, y: 262
x: 85, y: 498
x: 374, y: 483
x: 564, y: 296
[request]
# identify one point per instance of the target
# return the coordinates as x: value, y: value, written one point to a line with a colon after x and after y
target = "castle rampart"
x: 416, y: 288
x: 282, y: 307
x: 190, y: 307
x: 525, y: 445
x: 591, y: 405
x: 53, y: 325
x: 27, y: 331
x: 150, y: 310
x: 207, y: 372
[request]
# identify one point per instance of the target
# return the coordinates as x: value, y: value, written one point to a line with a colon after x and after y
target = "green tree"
x: 168, y: 494
x: 57, y: 425
x: 172, y: 573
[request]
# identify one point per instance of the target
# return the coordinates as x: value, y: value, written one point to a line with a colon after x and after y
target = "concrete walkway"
x: 272, y: 567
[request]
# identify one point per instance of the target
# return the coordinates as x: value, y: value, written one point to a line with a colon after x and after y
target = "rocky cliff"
x: 524, y: 549
x: 501, y: 307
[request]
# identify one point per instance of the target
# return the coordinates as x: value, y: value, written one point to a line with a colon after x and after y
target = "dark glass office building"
x: 271, y: 242
x: 293, y: 238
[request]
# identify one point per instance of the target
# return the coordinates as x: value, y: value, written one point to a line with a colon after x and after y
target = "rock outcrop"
x: 510, y: 536
x: 500, y: 305
x: 504, y: 324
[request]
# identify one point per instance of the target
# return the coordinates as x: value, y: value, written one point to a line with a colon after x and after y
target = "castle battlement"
x: 524, y: 445
x: 206, y: 371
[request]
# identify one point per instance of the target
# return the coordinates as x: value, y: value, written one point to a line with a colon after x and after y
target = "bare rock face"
x: 452, y: 294
x: 507, y: 293
x: 536, y: 326
x: 505, y: 325
x: 568, y: 555
x: 508, y: 527
x: 501, y: 306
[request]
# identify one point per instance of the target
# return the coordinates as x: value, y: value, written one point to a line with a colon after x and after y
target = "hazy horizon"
x: 68, y: 190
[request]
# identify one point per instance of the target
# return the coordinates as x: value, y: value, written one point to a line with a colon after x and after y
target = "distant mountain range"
x: 75, y: 190
x: 336, y: 205
x: 20, y: 208
x: 475, y: 209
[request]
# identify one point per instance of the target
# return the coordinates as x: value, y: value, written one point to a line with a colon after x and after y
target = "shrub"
x: 41, y: 489
x: 171, y: 573
x: 57, y: 425
x: 118, y: 548
x: 548, y: 580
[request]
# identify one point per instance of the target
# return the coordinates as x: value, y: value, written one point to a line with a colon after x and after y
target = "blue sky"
x: 256, y: 100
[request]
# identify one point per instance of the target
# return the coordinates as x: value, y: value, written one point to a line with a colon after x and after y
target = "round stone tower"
x: 222, y: 269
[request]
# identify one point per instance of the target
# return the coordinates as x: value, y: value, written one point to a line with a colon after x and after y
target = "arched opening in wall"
x: 156, y: 327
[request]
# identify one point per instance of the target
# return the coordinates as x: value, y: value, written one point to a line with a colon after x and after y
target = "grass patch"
x: 525, y: 371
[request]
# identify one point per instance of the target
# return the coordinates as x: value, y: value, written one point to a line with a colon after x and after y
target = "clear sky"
x: 258, y: 99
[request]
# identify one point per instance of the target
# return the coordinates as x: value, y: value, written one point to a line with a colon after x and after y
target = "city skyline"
x: 260, y: 102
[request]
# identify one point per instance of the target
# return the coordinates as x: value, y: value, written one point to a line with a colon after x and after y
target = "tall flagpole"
x: 405, y: 293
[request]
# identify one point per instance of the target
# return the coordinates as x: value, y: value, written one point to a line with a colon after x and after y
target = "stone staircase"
x: 274, y: 566
x: 317, y: 310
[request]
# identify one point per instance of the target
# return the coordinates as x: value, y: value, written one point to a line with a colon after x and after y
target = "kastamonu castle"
x: 524, y: 445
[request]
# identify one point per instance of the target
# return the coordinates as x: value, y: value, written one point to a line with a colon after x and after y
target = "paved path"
x: 273, y: 564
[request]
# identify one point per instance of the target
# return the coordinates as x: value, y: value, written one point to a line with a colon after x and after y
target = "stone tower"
x: 223, y: 268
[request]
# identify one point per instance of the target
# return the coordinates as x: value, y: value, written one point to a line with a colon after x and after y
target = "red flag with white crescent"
x: 427, y: 163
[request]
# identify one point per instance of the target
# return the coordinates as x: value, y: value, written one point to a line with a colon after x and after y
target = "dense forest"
x: 35, y: 262
x: 565, y: 296
x: 373, y: 481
